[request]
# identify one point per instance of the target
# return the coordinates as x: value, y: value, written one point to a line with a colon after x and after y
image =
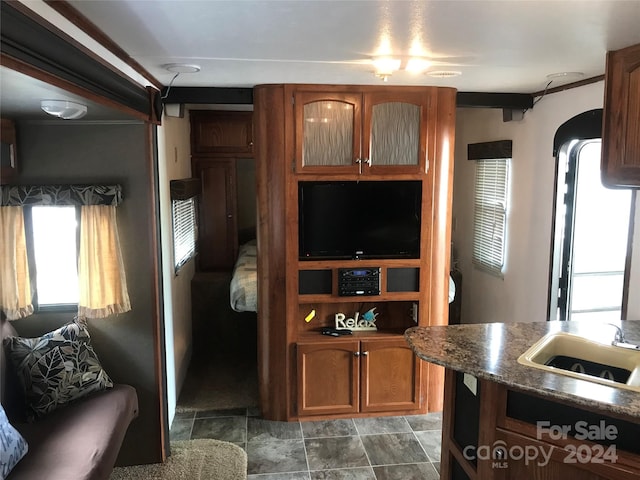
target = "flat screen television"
x: 359, y: 219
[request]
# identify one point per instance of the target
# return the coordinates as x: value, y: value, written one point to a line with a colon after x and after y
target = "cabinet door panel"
x: 621, y: 122
x: 394, y: 133
x: 327, y: 377
x: 222, y: 132
x: 555, y: 463
x: 217, y: 230
x: 328, y: 131
x: 390, y: 376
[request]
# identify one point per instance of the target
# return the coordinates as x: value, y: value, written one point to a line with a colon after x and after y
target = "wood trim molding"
x: 569, y: 86
x: 185, y: 188
x: 489, y: 150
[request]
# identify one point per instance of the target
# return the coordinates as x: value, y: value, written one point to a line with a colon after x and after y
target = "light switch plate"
x: 471, y: 383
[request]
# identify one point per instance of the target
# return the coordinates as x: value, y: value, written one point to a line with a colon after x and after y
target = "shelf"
x: 381, y: 262
x: 378, y: 334
x: 385, y: 297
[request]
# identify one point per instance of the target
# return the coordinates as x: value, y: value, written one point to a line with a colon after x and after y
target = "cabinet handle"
x: 368, y: 161
x: 365, y: 353
x: 356, y: 354
x: 359, y: 162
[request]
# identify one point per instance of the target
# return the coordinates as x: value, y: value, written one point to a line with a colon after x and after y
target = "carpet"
x: 202, y: 459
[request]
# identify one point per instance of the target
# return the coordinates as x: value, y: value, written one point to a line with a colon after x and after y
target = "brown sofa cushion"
x: 79, y: 441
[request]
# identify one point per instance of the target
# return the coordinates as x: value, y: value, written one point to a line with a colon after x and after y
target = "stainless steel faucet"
x: 619, y: 339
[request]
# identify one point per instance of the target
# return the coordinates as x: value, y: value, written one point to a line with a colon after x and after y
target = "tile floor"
x: 384, y: 448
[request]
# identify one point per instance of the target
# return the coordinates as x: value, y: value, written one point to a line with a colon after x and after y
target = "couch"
x: 78, y: 441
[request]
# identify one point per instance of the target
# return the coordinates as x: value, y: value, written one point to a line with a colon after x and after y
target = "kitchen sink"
x: 579, y: 357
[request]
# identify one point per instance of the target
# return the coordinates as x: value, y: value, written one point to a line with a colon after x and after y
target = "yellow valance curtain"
x: 15, y: 285
x: 103, y: 284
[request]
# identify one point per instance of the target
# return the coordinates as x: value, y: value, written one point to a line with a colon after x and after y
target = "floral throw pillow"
x: 14, y: 446
x: 56, y: 368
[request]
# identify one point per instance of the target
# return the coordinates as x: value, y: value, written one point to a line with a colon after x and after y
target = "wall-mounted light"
x: 64, y: 109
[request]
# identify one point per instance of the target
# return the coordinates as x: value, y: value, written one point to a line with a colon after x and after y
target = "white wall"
x: 633, y: 305
x: 522, y: 295
x: 174, y: 162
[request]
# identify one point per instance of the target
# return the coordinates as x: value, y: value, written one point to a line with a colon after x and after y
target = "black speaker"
x: 314, y: 282
x: 403, y: 279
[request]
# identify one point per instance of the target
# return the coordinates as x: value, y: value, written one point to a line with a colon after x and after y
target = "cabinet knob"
x: 356, y: 354
x: 251, y: 144
x: 365, y: 353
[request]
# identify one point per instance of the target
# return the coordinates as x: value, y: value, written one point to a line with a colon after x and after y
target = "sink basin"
x: 579, y: 357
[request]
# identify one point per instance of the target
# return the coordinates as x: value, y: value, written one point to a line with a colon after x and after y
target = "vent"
x: 444, y: 73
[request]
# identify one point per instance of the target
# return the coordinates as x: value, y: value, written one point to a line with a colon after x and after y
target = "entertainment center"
x: 354, y: 214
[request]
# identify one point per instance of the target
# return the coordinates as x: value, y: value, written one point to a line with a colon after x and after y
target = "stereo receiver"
x: 358, y: 281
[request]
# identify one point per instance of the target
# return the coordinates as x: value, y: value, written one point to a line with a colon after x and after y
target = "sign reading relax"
x: 365, y: 322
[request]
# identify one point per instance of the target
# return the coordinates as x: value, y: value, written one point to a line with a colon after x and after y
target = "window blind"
x: 490, y: 211
x: 184, y: 231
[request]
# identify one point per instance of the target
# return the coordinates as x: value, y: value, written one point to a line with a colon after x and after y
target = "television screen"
x: 365, y: 219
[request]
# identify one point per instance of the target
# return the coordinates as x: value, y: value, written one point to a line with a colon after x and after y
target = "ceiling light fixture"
x: 64, y: 109
x: 385, y: 66
x: 565, y: 76
x: 182, y: 68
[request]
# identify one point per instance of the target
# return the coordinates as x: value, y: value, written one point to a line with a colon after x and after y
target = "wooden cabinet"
x: 351, y: 376
x: 328, y: 377
x: 221, y: 133
x: 499, y: 433
x: 222, y: 157
x: 621, y: 120
x: 368, y: 132
x: 390, y: 376
x: 217, y: 224
x: 341, y: 133
x: 587, y: 462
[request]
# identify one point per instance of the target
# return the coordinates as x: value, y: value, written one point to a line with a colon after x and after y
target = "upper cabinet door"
x: 328, y: 130
x: 394, y: 138
x: 222, y: 133
x: 621, y: 122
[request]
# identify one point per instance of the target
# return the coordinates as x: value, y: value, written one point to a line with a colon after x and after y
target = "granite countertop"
x: 490, y: 351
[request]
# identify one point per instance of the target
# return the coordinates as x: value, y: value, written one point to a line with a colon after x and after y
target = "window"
x: 490, y: 213
x: 184, y: 231
x: 55, y: 255
x: 490, y: 203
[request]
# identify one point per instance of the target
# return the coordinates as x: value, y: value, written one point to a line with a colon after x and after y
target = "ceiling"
x: 507, y: 46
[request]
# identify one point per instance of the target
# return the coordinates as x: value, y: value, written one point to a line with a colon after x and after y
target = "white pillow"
x: 12, y: 446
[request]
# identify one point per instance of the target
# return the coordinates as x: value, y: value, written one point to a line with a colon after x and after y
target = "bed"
x: 244, y: 281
